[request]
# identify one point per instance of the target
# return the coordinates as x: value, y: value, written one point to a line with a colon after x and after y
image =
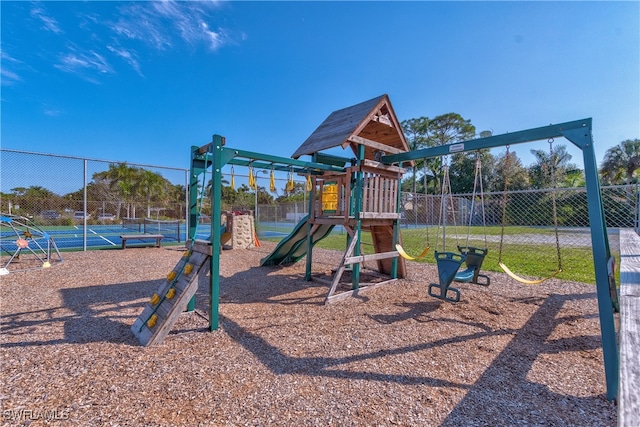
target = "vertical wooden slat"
x: 376, y: 193
x: 371, y: 191
x: 366, y: 196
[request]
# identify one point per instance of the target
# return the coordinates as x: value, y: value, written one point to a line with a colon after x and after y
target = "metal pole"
x: 84, y: 208
x: 186, y: 203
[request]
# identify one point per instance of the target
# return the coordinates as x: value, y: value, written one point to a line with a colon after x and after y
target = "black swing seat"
x: 473, y: 260
x: 448, y: 264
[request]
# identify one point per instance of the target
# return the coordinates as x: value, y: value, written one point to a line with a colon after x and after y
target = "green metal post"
x: 216, y: 150
x: 607, y: 299
x: 396, y: 230
x: 309, y: 260
x: 357, y: 208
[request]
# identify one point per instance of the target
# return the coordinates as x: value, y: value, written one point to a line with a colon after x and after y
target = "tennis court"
x: 108, y: 235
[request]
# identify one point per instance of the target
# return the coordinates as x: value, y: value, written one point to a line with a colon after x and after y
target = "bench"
x: 156, y: 237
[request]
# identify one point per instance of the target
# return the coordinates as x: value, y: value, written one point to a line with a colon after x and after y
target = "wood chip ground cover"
x: 504, y: 355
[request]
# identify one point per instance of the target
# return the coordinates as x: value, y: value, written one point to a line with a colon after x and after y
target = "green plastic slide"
x: 294, y: 247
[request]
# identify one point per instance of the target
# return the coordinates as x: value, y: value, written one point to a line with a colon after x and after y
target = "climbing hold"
x: 185, y: 254
x: 171, y: 293
x: 154, y: 299
x: 171, y: 276
x: 3, y: 271
x: 152, y: 321
x: 187, y: 269
x: 21, y: 243
x: 46, y: 264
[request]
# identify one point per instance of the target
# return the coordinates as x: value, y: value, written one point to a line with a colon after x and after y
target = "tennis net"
x: 169, y: 229
x: 134, y: 224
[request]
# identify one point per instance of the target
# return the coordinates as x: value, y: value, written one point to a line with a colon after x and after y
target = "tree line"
x: 122, y: 189
x: 552, y: 167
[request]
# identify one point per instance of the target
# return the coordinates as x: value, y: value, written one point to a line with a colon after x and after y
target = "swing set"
x: 579, y: 133
x: 555, y: 224
x: 449, y: 263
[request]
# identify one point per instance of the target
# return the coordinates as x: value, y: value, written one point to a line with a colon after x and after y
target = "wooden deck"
x: 629, y: 392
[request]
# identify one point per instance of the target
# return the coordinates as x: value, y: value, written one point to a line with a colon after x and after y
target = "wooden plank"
x: 203, y: 247
x: 381, y: 167
x: 372, y: 257
x: 366, y: 196
x: 393, y: 197
x: 629, y: 388
x: 341, y: 268
x: 382, y: 237
x: 347, y: 195
x: 375, y: 145
x: 379, y: 215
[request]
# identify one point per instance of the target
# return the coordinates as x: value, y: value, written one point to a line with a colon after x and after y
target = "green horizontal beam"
x: 536, y: 134
x: 274, y: 166
x: 270, y: 160
x: 264, y: 161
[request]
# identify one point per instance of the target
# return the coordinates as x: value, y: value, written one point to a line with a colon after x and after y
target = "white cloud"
x: 84, y: 64
x: 136, y: 23
x: 7, y: 76
x: 128, y: 56
x: 52, y: 112
x: 163, y: 23
x: 48, y: 23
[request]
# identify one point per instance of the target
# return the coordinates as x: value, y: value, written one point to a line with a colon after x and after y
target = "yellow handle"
x: 272, y: 182
x: 171, y: 293
x: 152, y: 321
x: 252, y: 179
x: 154, y: 299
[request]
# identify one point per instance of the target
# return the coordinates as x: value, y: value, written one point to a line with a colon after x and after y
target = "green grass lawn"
x: 533, y: 260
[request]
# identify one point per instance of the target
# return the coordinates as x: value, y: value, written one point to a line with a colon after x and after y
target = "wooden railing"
x: 380, y: 187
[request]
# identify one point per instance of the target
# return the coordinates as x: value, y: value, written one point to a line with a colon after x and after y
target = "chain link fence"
x: 547, y: 227
x: 56, y: 192
x: 62, y: 191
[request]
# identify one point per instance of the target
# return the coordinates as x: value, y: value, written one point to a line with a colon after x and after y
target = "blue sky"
x: 143, y: 81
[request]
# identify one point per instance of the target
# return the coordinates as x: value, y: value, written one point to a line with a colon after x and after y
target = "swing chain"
x: 553, y: 201
x: 504, y: 201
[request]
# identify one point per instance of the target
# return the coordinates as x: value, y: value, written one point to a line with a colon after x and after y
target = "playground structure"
x: 26, y: 246
x: 363, y: 196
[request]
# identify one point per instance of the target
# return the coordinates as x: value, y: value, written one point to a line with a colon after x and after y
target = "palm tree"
x: 150, y: 185
x: 621, y: 162
x: 121, y: 177
x: 550, y: 168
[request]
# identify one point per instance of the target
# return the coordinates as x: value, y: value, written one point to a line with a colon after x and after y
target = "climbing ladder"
x: 163, y: 309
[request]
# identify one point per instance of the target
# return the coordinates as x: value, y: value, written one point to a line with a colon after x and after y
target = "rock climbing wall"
x: 243, y: 231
